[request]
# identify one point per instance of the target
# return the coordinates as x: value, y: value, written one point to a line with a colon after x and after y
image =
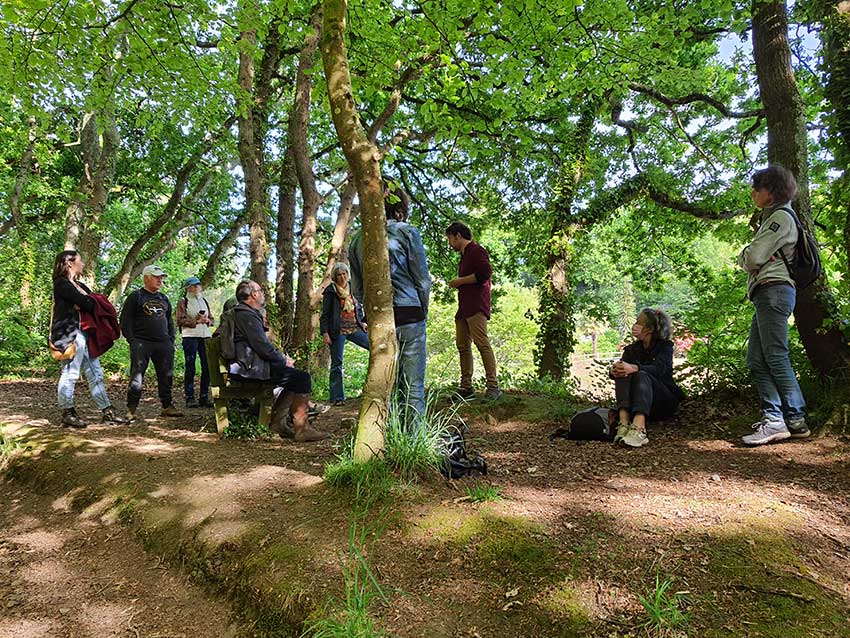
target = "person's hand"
x: 455, y: 283
x: 623, y: 369
x: 365, y: 327
x: 289, y: 361
x: 326, y: 338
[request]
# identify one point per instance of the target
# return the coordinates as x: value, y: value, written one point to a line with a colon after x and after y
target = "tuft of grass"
x: 483, y: 493
x: 663, y: 609
x: 245, y: 426
x: 374, y: 477
x: 9, y: 447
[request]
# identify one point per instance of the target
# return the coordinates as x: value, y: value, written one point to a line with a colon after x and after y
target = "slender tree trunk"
x: 556, y: 337
x: 298, y: 125
x: 224, y: 244
x: 27, y: 258
x: 362, y: 157
x: 815, y: 314
x: 285, y: 244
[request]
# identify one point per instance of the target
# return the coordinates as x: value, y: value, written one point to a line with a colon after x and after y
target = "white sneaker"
x: 635, y: 438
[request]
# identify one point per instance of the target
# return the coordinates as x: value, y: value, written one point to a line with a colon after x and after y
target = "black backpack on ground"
x: 594, y: 424
x: 456, y: 464
x: 806, y: 267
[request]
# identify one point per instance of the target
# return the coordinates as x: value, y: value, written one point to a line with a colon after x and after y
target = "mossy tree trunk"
x: 815, y: 313
x: 27, y: 258
x: 556, y: 337
x: 363, y: 158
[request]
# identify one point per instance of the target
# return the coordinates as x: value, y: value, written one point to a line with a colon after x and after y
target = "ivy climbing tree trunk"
x: 815, y: 313
x: 363, y: 160
x: 555, y: 338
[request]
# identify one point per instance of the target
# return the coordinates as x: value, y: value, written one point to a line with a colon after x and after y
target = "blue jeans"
x: 767, y: 355
x: 71, y: 372
x: 192, y: 347
x: 337, y: 392
x: 410, y: 383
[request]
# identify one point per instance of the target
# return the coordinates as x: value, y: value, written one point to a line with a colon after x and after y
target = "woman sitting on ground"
x: 342, y: 320
x: 643, y: 378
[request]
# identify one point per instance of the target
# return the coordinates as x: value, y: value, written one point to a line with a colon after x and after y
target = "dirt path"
x: 65, y: 575
x: 758, y: 540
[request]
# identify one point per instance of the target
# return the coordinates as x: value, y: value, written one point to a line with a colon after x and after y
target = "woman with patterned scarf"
x: 342, y: 320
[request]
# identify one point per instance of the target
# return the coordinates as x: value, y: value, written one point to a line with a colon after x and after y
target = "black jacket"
x: 657, y: 362
x: 66, y: 318
x: 254, y: 351
x: 146, y: 316
x: 331, y: 309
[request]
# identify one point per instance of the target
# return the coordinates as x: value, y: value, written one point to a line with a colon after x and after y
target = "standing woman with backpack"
x: 67, y: 337
x: 771, y: 288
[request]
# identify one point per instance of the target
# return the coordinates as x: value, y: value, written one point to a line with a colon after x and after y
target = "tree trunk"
x: 27, y: 258
x: 298, y: 125
x: 224, y: 244
x: 284, y: 246
x: 787, y: 145
x: 251, y: 158
x: 362, y: 157
x: 99, y: 155
x: 121, y: 279
x: 556, y: 337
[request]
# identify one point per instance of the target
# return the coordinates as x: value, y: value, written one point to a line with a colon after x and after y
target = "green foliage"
x: 244, y: 426
x: 663, y: 609
x: 484, y: 493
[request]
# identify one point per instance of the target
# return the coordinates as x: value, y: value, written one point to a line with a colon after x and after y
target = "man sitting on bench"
x: 258, y: 360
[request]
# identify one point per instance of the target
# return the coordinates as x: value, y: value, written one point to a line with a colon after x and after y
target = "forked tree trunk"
x: 224, y: 244
x: 815, y: 314
x: 362, y: 157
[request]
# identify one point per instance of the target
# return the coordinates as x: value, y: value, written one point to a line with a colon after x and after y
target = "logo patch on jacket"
x: 774, y: 226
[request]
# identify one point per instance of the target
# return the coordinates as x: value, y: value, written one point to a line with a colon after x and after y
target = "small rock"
x: 715, y: 478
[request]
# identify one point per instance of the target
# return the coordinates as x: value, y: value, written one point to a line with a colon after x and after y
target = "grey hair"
x: 658, y: 321
x: 339, y: 267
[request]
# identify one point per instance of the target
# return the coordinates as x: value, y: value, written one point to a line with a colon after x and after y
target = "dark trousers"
x: 192, y: 347
x: 162, y: 355
x: 641, y: 393
x: 290, y: 379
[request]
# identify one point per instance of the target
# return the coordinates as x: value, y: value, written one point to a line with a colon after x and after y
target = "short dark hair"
x: 396, y: 201
x: 60, y: 264
x: 459, y: 228
x: 776, y: 180
x: 244, y: 290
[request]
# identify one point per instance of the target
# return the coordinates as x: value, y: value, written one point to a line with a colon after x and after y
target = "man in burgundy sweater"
x: 473, y: 313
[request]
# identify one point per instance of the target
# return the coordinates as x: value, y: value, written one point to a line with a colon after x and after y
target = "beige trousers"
x: 474, y: 330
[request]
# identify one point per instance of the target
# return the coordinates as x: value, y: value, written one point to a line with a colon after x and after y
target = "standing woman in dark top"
x: 69, y: 297
x: 643, y: 378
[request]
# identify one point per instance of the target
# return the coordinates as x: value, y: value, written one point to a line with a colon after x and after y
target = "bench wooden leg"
x: 221, y: 421
x: 266, y: 411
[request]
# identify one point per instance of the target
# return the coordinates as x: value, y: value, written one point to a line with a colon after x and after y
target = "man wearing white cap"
x: 194, y: 319
x: 147, y: 325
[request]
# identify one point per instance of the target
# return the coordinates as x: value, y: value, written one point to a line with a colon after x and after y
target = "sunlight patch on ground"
x: 105, y: 619
x: 39, y: 540
x: 46, y: 572
x: 139, y: 445
x: 25, y: 628
x: 218, y: 531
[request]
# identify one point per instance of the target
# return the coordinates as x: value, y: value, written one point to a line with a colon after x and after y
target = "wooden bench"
x: 223, y: 389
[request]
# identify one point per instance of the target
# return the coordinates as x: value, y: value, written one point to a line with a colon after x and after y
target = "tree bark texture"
x: 815, y: 314
x: 556, y: 336
x: 224, y: 244
x: 284, y: 246
x: 363, y: 160
x: 299, y: 122
x: 99, y: 153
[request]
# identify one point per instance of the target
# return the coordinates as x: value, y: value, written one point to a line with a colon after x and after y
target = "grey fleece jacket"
x: 777, y: 231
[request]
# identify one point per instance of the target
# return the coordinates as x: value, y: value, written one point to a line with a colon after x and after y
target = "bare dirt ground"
x: 755, y: 541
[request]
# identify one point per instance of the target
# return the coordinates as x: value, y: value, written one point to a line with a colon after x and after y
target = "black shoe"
x: 109, y: 416
x: 191, y: 403
x: 463, y: 394
x: 71, y: 420
x: 204, y: 402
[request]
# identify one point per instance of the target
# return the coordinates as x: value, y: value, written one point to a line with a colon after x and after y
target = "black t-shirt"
x: 147, y: 316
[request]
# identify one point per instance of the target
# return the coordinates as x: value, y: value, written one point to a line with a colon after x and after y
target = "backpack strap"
x: 799, y: 234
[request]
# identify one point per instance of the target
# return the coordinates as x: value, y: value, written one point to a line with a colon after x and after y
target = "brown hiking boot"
x: 131, y: 415
x: 71, y: 420
x: 109, y: 416
x: 308, y: 435
x: 170, y: 411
